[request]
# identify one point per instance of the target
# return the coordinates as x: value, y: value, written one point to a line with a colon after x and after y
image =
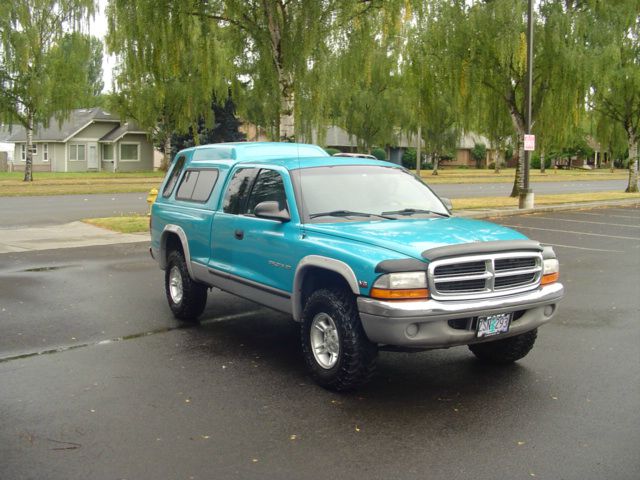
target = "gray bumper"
x: 425, y: 324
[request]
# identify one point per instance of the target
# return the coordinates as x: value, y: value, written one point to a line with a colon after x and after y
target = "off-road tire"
x: 356, y: 359
x: 194, y: 294
x: 505, y: 351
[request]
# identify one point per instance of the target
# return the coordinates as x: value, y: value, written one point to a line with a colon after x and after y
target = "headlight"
x: 551, y: 271
x: 401, y: 286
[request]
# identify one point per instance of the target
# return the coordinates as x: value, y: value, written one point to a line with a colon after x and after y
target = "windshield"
x: 363, y: 193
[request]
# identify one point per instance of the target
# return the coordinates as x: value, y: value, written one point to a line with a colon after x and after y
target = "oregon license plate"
x: 493, y: 324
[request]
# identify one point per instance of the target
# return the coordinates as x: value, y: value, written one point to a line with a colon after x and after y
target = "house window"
x: 107, y: 151
x: 23, y: 151
x: 77, y: 152
x: 45, y: 152
x: 129, y: 152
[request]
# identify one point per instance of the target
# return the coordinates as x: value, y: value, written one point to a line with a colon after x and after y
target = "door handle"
x: 239, y: 234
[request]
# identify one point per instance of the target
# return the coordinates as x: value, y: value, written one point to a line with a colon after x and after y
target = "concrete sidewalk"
x: 79, y: 234
x: 68, y: 235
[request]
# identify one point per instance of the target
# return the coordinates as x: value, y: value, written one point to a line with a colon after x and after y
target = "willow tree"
x: 171, y: 66
x: 494, y: 56
x: 369, y: 97
x: 432, y: 94
x: 273, y: 42
x: 616, y: 91
x: 39, y: 76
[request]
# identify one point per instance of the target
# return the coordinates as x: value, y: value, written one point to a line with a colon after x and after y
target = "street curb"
x: 512, y: 211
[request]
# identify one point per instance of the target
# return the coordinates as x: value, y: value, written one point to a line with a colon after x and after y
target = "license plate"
x: 493, y: 325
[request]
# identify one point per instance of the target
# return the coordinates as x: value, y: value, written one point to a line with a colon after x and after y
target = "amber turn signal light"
x: 550, y: 278
x: 407, y: 294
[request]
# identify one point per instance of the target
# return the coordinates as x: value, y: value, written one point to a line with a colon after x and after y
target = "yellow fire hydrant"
x: 151, y: 197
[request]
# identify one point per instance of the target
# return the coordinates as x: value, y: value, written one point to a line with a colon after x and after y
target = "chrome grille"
x: 487, y: 275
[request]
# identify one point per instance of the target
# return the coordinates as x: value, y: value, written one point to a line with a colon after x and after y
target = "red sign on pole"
x: 529, y: 143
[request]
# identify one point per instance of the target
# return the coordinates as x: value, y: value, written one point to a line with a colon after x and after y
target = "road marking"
x: 593, y: 223
x: 569, y: 231
x: 583, y: 248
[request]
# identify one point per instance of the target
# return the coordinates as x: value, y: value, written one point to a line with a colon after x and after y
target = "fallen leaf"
x: 521, y: 443
x: 357, y: 428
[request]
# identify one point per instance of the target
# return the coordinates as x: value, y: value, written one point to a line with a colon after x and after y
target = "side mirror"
x: 447, y: 203
x: 271, y: 210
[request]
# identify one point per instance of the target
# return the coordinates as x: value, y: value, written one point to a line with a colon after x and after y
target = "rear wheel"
x: 505, y: 351
x: 336, y: 349
x: 187, y: 298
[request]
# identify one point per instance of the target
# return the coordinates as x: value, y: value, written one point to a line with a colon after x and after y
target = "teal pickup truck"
x: 360, y: 252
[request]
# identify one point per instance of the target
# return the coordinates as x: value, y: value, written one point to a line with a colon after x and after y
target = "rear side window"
x: 197, y: 185
x: 238, y: 190
x: 173, y: 177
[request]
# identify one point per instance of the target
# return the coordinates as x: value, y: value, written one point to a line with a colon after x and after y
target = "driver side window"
x: 268, y: 187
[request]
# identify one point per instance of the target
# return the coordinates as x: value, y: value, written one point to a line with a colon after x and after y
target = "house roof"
x: 77, y: 120
x: 6, y: 131
x: 120, y: 131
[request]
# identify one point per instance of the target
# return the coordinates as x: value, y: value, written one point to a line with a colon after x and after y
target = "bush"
x: 332, y: 151
x: 379, y: 153
x: 535, y: 161
x: 479, y: 153
x: 409, y: 158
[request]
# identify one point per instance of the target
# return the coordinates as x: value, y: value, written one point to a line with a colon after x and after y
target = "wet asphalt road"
x: 131, y: 395
x: 18, y: 212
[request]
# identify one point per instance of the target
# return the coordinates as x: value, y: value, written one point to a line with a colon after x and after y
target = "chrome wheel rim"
x: 175, y: 285
x: 325, y: 343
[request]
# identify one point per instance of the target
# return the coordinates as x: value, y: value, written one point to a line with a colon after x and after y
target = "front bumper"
x: 426, y: 324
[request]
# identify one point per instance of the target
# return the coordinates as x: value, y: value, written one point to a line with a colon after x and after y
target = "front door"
x: 92, y: 161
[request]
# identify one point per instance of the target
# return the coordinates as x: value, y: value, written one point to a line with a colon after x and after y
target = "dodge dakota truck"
x: 360, y: 252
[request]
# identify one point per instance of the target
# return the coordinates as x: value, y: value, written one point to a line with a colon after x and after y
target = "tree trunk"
x: 542, y: 165
x: 632, y: 187
x: 518, y: 181
x: 419, y: 152
x: 496, y: 161
x: 286, y: 129
x: 436, y: 159
x: 28, y: 166
x: 518, y: 124
x: 166, y: 159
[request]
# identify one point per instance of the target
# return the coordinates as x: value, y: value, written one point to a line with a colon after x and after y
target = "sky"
x: 98, y: 28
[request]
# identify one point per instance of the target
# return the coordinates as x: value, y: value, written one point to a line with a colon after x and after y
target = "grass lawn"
x: 507, y: 175
x: 132, y: 224
x: 504, y: 202
x: 48, y: 183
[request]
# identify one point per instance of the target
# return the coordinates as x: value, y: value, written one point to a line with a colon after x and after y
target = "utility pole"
x: 526, y: 195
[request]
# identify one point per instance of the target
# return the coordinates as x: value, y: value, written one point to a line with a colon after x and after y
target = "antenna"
x: 301, y: 209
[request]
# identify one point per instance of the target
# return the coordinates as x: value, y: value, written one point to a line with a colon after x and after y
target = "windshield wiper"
x: 413, y: 211
x: 348, y: 213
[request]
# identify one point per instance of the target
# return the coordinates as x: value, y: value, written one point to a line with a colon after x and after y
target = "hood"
x: 412, y: 237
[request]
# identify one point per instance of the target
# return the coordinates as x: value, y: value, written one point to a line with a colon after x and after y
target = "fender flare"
x: 176, y: 230
x: 325, y: 263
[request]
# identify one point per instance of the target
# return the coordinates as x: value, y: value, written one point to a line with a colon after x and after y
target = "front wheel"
x: 335, y: 347
x: 505, y: 351
x: 187, y: 298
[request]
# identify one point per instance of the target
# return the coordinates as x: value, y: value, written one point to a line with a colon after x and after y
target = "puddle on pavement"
x: 47, y: 269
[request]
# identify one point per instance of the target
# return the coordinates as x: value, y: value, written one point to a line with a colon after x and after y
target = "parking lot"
x: 98, y: 381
